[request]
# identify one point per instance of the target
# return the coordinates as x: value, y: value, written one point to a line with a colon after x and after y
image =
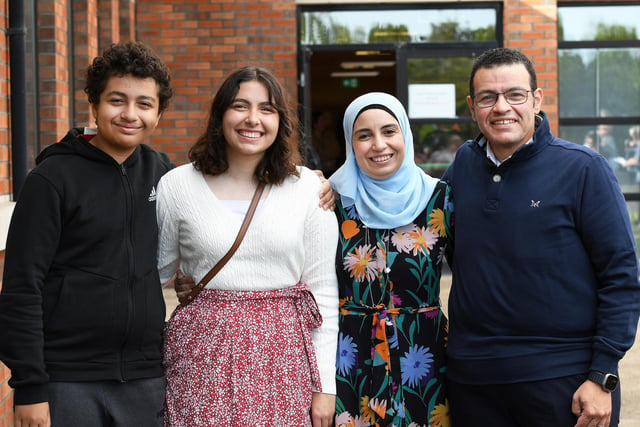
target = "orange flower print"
x: 343, y: 419
x: 349, y: 228
x: 359, y: 264
x: 440, y: 416
x: 346, y: 420
x: 358, y: 422
x: 436, y: 223
x: 423, y: 240
x: 368, y: 414
x: 378, y: 406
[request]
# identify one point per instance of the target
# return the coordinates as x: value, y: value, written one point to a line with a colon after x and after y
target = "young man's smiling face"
x: 126, y: 115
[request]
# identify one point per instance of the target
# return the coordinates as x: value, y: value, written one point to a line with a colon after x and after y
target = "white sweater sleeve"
x: 319, y: 273
x: 168, y: 242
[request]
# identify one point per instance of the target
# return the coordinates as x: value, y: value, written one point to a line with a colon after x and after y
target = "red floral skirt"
x: 242, y: 358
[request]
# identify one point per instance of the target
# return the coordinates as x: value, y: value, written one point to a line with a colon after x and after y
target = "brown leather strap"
x: 243, y: 229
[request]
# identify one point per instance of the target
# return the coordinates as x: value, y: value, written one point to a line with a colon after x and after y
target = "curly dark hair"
x: 128, y: 58
x: 502, y: 56
x: 209, y: 153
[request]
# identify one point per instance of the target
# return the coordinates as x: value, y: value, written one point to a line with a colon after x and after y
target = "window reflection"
x: 391, y: 26
x: 598, y: 23
x: 599, y: 90
x: 619, y: 144
x: 435, y: 144
x: 595, y: 79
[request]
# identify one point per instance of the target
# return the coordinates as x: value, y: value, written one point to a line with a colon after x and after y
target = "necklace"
x: 380, y: 259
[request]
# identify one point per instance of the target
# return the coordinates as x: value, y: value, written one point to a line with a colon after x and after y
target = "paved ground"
x: 629, y: 368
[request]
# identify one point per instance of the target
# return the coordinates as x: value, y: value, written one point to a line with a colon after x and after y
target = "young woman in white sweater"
x: 257, y: 346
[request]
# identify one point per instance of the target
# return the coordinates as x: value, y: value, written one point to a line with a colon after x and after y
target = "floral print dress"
x: 391, y: 362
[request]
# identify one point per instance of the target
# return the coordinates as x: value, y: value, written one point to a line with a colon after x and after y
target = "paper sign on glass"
x: 427, y: 101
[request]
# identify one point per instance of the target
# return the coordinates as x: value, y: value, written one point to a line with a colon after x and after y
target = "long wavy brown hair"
x: 209, y: 153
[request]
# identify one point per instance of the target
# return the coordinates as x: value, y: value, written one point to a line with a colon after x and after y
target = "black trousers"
x: 138, y: 403
x: 531, y: 404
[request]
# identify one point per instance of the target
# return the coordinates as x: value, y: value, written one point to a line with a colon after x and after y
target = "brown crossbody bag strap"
x: 243, y: 229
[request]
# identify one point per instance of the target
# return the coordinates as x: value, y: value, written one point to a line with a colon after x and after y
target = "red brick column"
x: 127, y: 20
x: 5, y: 118
x: 85, y: 48
x: 202, y: 42
x: 53, y: 68
x: 532, y: 27
x: 109, y: 22
x: 6, y: 393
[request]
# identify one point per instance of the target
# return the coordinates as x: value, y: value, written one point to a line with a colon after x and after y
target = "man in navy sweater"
x: 545, y: 296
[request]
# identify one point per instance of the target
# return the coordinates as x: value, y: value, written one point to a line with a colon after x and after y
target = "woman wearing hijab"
x: 395, y: 224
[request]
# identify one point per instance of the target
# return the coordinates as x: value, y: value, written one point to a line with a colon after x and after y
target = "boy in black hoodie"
x: 81, y: 306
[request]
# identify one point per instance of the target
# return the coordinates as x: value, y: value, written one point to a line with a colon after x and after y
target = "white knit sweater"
x: 290, y: 240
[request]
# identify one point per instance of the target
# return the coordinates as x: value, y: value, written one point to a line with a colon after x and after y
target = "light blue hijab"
x: 382, y: 203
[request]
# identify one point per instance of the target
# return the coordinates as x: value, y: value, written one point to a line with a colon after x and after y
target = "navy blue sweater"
x: 545, y: 273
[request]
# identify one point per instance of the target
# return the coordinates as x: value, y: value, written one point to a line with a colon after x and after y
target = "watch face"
x: 610, y: 382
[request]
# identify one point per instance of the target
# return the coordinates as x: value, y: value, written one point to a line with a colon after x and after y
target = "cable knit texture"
x: 196, y: 230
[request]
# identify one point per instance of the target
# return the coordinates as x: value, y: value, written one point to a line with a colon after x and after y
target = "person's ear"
x: 470, y: 104
x: 537, y: 100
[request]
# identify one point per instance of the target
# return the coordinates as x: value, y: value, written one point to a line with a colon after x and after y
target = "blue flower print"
x: 346, y: 356
x: 415, y: 364
x: 351, y: 211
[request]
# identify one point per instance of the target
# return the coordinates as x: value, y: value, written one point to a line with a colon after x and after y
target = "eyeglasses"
x: 489, y: 99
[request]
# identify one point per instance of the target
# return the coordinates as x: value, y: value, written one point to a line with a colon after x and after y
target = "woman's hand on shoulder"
x: 327, y: 198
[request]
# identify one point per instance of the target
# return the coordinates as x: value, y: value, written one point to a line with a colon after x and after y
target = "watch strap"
x: 608, y: 382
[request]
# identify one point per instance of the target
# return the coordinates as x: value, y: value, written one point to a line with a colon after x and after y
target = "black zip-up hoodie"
x: 81, y: 298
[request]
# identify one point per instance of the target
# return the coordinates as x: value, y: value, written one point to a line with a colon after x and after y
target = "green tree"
x: 315, y: 30
x: 451, y: 31
x: 389, y: 33
x: 615, y: 32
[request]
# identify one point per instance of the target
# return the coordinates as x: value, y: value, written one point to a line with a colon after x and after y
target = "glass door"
x: 435, y: 92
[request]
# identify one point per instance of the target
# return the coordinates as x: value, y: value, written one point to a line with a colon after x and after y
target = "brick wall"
x: 531, y: 26
x: 5, y: 174
x: 6, y: 393
x: 85, y: 48
x: 6, y: 400
x: 205, y: 41
x: 53, y: 68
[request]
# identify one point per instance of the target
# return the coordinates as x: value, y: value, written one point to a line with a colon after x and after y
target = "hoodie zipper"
x: 131, y: 267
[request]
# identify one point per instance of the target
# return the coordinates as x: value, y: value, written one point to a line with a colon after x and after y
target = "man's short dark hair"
x: 128, y: 58
x: 502, y: 56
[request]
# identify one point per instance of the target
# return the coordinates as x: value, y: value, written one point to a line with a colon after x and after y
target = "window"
x: 408, y: 25
x: 421, y: 53
x: 598, y: 69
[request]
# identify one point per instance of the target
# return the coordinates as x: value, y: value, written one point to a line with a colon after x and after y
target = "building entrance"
x: 420, y: 54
